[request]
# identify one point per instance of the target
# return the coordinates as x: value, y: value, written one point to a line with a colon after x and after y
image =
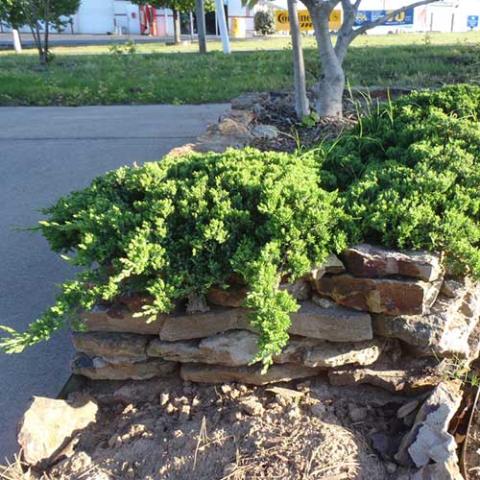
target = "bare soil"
x: 277, y: 109
x: 174, y: 430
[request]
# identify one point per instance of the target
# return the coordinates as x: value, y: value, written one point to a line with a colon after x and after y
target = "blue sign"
x: 472, y: 21
x: 367, y: 16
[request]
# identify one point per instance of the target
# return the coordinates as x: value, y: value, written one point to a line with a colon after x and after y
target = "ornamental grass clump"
x: 174, y: 228
x: 409, y: 175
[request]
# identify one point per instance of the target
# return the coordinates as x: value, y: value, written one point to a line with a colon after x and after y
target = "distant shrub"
x: 264, y: 22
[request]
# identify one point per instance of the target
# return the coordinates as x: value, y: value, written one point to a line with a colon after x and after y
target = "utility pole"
x: 302, y: 108
x: 201, y: 29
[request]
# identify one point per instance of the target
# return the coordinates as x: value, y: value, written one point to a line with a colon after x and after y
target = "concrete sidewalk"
x: 46, y: 152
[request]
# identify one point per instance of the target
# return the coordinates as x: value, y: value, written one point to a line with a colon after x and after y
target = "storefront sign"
x: 472, y: 21
x: 282, y: 23
x: 366, y: 16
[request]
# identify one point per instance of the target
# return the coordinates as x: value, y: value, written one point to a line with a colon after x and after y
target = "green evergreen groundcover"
x: 406, y: 176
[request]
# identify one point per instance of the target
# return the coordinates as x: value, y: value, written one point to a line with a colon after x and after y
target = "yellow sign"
x: 282, y: 23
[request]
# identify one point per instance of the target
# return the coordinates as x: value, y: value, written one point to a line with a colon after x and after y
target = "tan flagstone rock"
x: 409, y: 374
x: 97, y: 368
x: 233, y: 348
x: 217, y: 320
x: 117, y: 347
x: 448, y: 330
x: 336, y: 324
x: 119, y: 319
x: 196, y: 372
x: 388, y: 296
x: 365, y: 260
x: 48, y: 424
x: 429, y: 440
x: 320, y: 353
x: 439, y: 471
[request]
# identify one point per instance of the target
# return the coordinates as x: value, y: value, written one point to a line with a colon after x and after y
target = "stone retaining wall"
x: 377, y: 316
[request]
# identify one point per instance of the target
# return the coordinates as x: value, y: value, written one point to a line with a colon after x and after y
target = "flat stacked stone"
x: 376, y: 262
x: 375, y: 316
x: 97, y: 368
x: 196, y: 372
x: 113, y: 347
x: 240, y: 347
x: 380, y: 295
x: 449, y: 329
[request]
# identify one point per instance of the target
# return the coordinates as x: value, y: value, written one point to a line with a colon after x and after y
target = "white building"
x: 121, y: 16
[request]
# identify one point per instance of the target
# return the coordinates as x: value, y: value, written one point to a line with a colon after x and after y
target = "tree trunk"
x: 301, y: 101
x: 329, y: 89
x: 176, y: 27
x: 38, y: 40
x: 46, y: 45
x: 201, y: 29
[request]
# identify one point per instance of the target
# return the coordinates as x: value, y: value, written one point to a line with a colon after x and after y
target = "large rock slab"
x: 235, y: 295
x: 229, y: 132
x: 239, y: 347
x: 336, y: 324
x: 217, y: 320
x: 388, y: 296
x: 195, y: 372
x: 116, y: 347
x: 365, y: 260
x: 96, y: 368
x: 320, y: 353
x: 407, y: 374
x: 48, y: 425
x: 448, y: 330
x: 439, y: 471
x: 233, y: 348
x: 119, y: 319
x: 429, y: 440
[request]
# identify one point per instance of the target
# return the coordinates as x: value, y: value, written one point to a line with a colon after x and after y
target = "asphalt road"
x: 46, y: 153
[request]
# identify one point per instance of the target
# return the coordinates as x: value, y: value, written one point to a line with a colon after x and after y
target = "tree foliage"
x: 40, y: 16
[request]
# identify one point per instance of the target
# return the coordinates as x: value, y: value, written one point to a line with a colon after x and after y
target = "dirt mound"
x: 172, y: 430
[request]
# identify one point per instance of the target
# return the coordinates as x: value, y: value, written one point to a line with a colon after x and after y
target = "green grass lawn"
x: 160, y: 74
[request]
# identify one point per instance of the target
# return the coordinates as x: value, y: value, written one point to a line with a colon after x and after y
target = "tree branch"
x: 326, y: 6
x: 345, y: 32
x: 388, y: 16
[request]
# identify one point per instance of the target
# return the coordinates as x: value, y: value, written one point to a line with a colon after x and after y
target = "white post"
x: 17, y: 45
x: 222, y: 23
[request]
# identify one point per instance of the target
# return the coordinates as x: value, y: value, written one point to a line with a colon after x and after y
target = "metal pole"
x: 222, y: 23
x: 201, y: 29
